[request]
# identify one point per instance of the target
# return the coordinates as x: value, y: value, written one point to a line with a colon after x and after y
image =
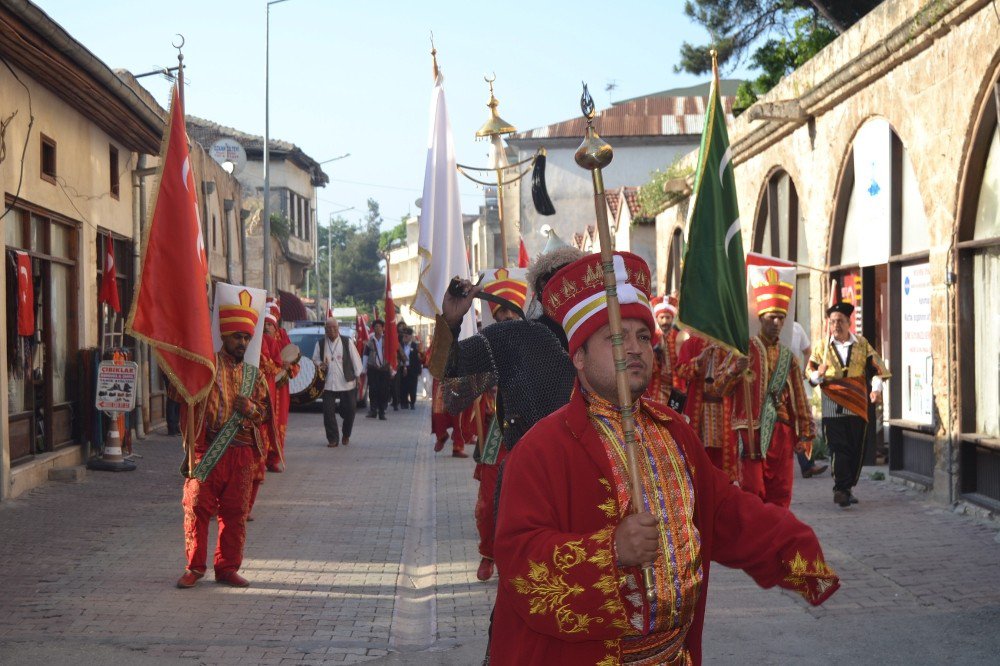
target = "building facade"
x: 877, y: 165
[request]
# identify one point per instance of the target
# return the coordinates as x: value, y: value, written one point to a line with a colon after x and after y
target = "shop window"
x: 48, y: 159
x: 113, y: 170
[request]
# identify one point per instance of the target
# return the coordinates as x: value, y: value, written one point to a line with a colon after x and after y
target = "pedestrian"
x: 410, y: 350
x: 228, y: 446
x: 838, y: 365
x: 710, y: 373
x: 173, y: 409
x: 568, y: 544
x: 668, y: 340
x: 282, y: 396
x: 779, y: 413
x: 445, y: 424
x: 525, y: 359
x: 802, y: 349
x: 378, y: 370
x: 509, y: 299
x: 337, y: 356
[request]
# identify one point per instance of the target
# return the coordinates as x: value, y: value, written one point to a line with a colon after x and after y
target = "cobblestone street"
x: 368, y: 553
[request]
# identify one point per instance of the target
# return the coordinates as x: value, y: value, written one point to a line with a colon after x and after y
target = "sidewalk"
x: 367, y: 553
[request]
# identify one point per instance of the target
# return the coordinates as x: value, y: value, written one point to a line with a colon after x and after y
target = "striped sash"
x: 850, y: 393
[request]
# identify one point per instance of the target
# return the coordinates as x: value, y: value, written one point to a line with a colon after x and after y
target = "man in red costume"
x: 568, y: 543
x: 667, y: 344
x: 227, y: 450
x: 270, y: 367
x: 282, y: 398
x: 782, y: 422
x: 711, y: 373
x: 504, y: 291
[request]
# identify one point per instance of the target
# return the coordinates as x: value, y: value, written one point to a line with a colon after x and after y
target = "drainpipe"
x: 140, y: 174
x: 142, y: 408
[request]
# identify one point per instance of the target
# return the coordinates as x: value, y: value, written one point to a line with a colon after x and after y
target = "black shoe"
x: 381, y: 417
x: 842, y: 498
x: 370, y: 415
x: 851, y: 498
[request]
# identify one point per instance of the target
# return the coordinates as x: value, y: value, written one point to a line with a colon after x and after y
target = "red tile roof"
x: 646, y: 116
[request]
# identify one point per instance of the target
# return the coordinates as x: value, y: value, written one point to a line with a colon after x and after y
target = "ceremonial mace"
x: 594, y: 154
x: 508, y: 174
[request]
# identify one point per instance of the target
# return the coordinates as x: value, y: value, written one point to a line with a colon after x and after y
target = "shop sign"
x: 116, y: 386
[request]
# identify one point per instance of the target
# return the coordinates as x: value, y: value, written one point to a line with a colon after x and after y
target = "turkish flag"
x: 109, y: 280
x: 391, y: 334
x: 360, y: 332
x: 522, y: 255
x: 170, y: 309
x: 25, y: 296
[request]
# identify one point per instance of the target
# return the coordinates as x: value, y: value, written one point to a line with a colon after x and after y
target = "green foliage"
x: 280, y: 228
x: 779, y: 57
x: 397, y: 233
x: 652, y: 198
x: 803, y: 27
x: 353, y: 251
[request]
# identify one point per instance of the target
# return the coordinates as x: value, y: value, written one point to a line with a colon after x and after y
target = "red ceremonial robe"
x: 555, y: 535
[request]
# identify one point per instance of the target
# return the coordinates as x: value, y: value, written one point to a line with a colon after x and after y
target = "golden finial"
x: 495, y: 125
x: 594, y: 152
x: 434, y: 57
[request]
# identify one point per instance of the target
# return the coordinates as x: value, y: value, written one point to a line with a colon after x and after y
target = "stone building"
x: 73, y: 134
x: 646, y: 133
x: 294, y: 178
x: 877, y: 164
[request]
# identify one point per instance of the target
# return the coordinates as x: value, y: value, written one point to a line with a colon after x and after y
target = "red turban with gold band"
x: 513, y: 291
x: 575, y: 296
x: 771, y: 294
x: 238, y: 317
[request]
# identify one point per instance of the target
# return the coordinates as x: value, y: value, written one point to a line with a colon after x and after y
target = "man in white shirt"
x: 839, y: 365
x: 337, y: 356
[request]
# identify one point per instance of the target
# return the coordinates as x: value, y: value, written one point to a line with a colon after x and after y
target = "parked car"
x: 306, y: 338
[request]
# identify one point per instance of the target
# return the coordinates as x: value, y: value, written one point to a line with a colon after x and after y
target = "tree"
x: 353, y: 250
x: 397, y: 233
x: 802, y: 27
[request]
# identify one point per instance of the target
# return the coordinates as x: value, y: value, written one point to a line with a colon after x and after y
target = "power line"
x: 391, y: 187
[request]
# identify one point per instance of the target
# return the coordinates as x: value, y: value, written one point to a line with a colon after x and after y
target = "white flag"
x: 441, y: 244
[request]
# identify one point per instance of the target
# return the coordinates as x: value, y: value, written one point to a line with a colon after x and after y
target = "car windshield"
x: 305, y: 341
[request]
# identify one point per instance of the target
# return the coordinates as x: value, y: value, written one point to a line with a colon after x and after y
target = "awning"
x: 292, y: 308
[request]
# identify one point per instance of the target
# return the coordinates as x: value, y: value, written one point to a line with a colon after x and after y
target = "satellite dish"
x: 229, y: 150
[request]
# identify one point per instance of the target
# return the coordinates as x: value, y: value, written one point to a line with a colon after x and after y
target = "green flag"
x: 713, y: 297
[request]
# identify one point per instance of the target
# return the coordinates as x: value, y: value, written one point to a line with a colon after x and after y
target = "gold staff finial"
x: 434, y: 56
x: 594, y: 152
x: 496, y: 125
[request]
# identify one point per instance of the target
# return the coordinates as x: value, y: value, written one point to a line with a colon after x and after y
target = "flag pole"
x: 594, y: 154
x: 188, y: 440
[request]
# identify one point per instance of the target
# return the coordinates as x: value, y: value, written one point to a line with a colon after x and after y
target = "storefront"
x: 42, y: 331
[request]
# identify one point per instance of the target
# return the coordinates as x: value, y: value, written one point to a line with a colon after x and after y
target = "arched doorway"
x: 879, y: 255
x: 779, y: 231
x: 978, y: 244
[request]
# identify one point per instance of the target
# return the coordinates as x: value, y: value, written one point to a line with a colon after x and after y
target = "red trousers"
x: 440, y: 423
x: 226, y: 494
x: 771, y: 478
x: 485, y: 503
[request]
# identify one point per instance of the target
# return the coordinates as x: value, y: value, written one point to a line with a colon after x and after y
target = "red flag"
x: 360, y: 332
x: 170, y: 309
x: 391, y: 334
x: 522, y: 255
x: 25, y: 296
x: 109, y: 280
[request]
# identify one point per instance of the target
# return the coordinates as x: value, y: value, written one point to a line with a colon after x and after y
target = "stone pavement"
x: 368, y: 554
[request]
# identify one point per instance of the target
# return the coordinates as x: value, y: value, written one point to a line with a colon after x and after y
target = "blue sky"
x: 355, y: 77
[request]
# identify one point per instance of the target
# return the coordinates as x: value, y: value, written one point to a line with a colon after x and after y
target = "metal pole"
x: 329, y: 263
x: 267, y: 140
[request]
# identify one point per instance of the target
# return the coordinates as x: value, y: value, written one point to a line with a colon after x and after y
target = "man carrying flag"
x: 228, y: 447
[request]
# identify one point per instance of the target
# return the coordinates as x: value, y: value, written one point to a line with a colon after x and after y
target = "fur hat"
x: 546, y: 265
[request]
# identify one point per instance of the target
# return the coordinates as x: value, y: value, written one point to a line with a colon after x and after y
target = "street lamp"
x: 267, y: 141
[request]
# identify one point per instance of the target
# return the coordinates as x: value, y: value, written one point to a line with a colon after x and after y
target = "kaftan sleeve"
x: 804, y: 425
x: 767, y: 542
x: 561, y: 584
